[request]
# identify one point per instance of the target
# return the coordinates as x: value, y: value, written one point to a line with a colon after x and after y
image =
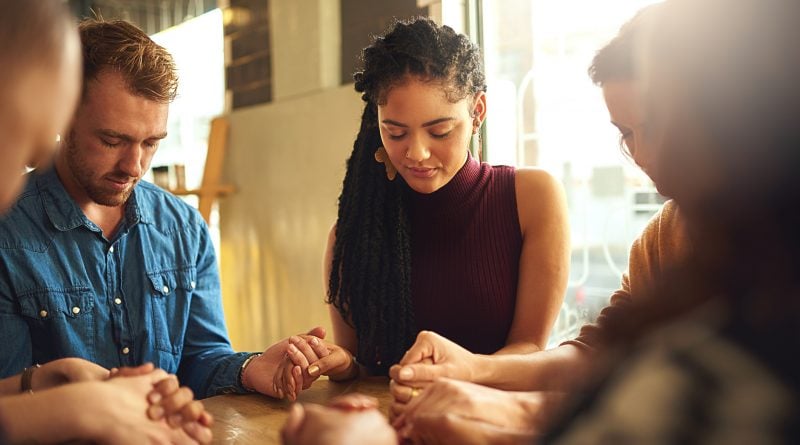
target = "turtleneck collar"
x: 461, y: 190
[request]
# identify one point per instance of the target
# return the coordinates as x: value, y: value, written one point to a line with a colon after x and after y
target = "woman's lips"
x: 422, y: 172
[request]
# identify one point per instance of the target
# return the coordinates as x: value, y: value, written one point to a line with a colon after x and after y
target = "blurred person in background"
x: 70, y: 398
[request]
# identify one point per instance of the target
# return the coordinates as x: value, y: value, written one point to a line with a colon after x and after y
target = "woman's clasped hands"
x: 308, y: 357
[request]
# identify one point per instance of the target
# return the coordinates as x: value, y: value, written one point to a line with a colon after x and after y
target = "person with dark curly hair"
x: 661, y: 244
x: 428, y: 237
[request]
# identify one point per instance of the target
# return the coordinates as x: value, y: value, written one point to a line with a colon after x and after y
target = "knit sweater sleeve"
x: 661, y: 241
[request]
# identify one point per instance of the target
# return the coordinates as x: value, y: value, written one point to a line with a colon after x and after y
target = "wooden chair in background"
x: 210, y: 187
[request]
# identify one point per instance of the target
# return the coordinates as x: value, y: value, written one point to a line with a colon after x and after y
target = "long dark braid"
x: 370, y: 281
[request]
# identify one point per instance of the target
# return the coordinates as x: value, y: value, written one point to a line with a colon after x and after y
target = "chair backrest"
x: 210, y: 187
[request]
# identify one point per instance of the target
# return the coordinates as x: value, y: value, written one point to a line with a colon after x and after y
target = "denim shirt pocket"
x: 61, y: 321
x: 171, y: 295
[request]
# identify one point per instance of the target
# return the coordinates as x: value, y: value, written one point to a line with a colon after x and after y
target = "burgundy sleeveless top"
x: 465, y: 247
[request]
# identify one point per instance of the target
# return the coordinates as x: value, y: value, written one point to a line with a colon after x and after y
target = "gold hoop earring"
x: 383, y: 158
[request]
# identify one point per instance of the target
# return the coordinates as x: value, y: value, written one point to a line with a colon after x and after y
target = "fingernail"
x: 154, y: 397
x: 280, y: 393
x: 313, y: 370
x: 293, y: 349
x: 156, y: 412
x: 406, y: 374
x: 294, y: 339
x: 314, y: 341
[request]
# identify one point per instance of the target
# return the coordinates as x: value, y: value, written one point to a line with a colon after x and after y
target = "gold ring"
x: 415, y: 392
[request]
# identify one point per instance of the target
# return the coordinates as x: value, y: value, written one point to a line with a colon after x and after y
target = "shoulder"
x: 165, y: 209
x: 663, y: 241
x: 26, y: 217
x: 29, y: 198
x: 331, y: 242
x: 540, y: 198
x: 536, y: 181
x: 670, y: 220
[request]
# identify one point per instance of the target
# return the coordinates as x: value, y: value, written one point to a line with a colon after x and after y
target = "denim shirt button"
x: 126, y: 350
x: 111, y: 249
x: 165, y: 289
x: 193, y: 284
x: 43, y: 313
x: 118, y: 300
x: 76, y: 310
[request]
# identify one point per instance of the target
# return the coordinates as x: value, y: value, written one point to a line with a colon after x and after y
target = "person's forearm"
x: 10, y: 385
x: 43, y: 417
x: 518, y: 348
x: 557, y: 369
x: 541, y: 406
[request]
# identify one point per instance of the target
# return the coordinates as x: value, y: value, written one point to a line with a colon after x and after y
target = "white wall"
x: 287, y: 160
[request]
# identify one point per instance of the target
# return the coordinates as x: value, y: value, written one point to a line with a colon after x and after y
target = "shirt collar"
x: 64, y: 212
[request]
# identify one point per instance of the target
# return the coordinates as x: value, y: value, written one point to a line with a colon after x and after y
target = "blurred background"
x: 280, y: 72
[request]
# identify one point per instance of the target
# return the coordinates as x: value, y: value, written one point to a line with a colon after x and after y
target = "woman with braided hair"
x: 427, y: 237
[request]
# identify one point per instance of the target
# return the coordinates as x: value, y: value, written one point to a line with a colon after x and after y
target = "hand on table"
x: 308, y: 357
x: 430, y: 357
x: 293, y: 371
x: 271, y: 374
x: 351, y: 419
x: 118, y: 411
x: 171, y: 402
x: 66, y: 370
x: 471, y: 402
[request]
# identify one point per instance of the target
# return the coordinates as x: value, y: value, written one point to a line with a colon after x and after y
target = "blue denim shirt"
x: 150, y: 294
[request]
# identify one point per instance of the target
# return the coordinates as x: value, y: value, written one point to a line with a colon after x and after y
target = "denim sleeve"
x: 209, y: 366
x: 16, y: 351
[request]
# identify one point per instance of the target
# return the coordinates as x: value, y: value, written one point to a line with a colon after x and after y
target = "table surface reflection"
x: 257, y: 419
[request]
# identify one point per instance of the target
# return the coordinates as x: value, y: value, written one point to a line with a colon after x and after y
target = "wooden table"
x: 257, y: 419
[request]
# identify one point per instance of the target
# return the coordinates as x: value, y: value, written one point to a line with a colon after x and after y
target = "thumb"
x: 318, y: 331
x: 328, y: 363
x: 128, y: 371
x: 419, y: 372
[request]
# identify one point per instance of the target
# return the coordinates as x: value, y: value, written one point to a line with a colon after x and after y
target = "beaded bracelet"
x: 27, y: 379
x: 244, y: 365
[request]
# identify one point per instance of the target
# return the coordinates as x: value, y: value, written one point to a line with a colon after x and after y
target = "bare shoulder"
x: 327, y: 261
x: 532, y: 180
x: 540, y: 198
x: 537, y: 188
x: 332, y: 235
